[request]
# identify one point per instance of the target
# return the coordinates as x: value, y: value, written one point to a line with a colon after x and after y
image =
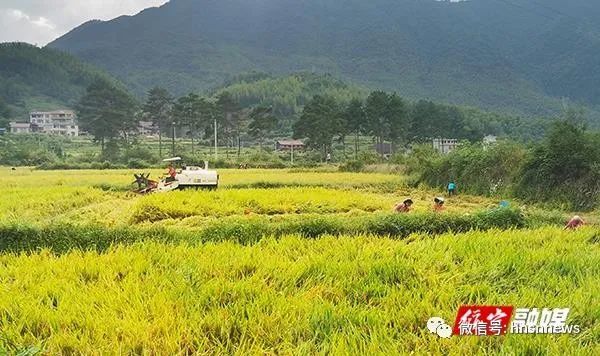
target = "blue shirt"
x: 451, y: 186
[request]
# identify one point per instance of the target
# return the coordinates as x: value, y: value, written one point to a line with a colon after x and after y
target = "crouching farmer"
x: 403, y: 207
x: 575, y: 223
x: 438, y: 204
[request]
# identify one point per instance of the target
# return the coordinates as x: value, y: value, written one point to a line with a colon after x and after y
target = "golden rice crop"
x: 292, y: 295
x: 27, y: 177
x: 40, y: 204
x: 87, y: 196
x: 256, y: 201
x: 345, y: 295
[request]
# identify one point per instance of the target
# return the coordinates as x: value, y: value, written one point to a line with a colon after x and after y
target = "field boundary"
x: 18, y: 237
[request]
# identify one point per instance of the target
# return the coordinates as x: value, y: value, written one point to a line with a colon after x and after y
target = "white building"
x: 445, y: 145
x: 147, y: 128
x: 490, y: 140
x: 61, y: 122
x: 19, y: 127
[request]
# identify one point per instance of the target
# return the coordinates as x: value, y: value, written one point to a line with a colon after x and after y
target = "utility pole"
x: 173, y: 142
x: 216, y: 146
x: 159, y: 142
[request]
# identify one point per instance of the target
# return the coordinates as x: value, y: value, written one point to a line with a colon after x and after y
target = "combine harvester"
x: 186, y: 177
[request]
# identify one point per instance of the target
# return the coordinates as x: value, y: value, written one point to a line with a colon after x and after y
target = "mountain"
x: 33, y: 78
x: 523, y: 56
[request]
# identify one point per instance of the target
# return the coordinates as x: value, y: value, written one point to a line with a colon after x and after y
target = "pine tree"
x: 106, y: 112
x: 320, y: 122
x: 262, y: 123
x: 159, y: 110
x: 355, y: 120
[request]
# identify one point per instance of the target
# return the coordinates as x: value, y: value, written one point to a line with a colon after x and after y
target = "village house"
x: 287, y: 145
x: 384, y: 149
x: 489, y: 140
x: 445, y: 145
x: 19, y: 127
x: 147, y: 128
x: 60, y: 122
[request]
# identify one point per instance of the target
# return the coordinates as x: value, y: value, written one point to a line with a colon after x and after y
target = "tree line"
x: 389, y: 118
x: 110, y: 113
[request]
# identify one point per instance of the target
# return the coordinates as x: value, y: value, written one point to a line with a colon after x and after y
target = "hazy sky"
x: 41, y: 21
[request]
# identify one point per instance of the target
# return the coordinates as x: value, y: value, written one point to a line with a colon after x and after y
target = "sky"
x: 41, y: 21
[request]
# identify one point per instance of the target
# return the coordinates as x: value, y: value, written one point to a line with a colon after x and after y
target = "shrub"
x: 138, y: 153
x: 137, y: 163
x: 563, y: 169
x: 369, y: 157
x: 352, y: 166
x: 477, y: 169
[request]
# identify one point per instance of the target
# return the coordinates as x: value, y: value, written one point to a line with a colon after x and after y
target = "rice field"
x: 346, y: 293
x: 103, y: 196
x: 349, y: 295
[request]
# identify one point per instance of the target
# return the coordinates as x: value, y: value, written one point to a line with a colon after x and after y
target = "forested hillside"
x: 33, y: 78
x: 288, y: 94
x: 523, y: 56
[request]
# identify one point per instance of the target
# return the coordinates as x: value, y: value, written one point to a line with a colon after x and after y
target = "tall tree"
x: 576, y: 116
x: 195, y: 112
x: 5, y: 113
x: 355, y: 120
x: 231, y: 118
x: 398, y: 119
x: 377, y: 114
x: 424, y: 116
x: 320, y: 122
x: 159, y: 110
x: 106, y: 111
x: 262, y: 122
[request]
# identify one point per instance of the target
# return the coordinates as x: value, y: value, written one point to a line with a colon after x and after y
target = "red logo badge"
x: 482, y: 320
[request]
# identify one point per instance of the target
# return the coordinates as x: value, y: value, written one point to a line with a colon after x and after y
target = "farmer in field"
x: 403, y: 207
x: 438, y: 204
x: 574, y: 223
x: 172, y: 173
x: 451, y: 188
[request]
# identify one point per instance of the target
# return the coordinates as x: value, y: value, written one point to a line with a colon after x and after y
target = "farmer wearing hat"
x: 574, y: 223
x: 438, y: 204
x: 403, y: 207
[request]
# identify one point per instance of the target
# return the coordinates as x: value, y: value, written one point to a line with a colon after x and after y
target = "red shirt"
x: 402, y: 208
x: 438, y: 207
x: 574, y: 223
x: 172, y: 172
